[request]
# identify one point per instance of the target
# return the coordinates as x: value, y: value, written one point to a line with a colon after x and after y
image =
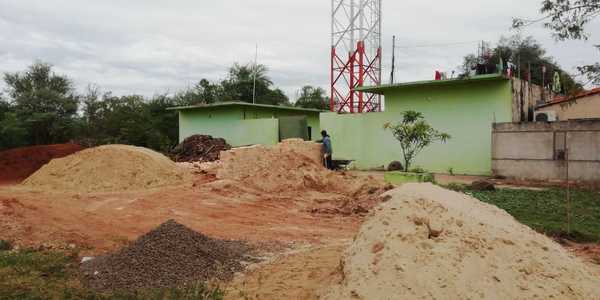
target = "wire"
x: 439, y: 45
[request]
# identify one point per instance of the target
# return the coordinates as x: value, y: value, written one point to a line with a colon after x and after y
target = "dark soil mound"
x: 395, y: 166
x: 200, y: 148
x: 483, y: 185
x: 17, y: 164
x: 167, y: 256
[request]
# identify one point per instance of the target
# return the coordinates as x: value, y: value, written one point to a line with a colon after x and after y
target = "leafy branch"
x: 414, y: 134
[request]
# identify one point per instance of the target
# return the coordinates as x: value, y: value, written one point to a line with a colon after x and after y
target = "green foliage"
x: 239, y: 86
x: 451, y: 171
x: 418, y: 170
x: 546, y: 210
x: 42, y: 108
x: 414, y: 134
x: 311, y: 97
x: 44, y: 104
x: 567, y: 20
x: 32, y: 274
x: 529, y: 56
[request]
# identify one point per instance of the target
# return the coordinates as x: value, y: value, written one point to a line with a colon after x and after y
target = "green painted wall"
x: 464, y: 110
x: 239, y: 125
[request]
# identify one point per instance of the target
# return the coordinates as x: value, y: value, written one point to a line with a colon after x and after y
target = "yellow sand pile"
x: 431, y: 243
x: 291, y: 164
x: 107, y: 168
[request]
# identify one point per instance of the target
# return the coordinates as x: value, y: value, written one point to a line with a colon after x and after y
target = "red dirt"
x: 17, y: 164
x: 105, y: 221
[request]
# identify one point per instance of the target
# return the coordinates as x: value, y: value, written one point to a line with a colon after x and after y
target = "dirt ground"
x: 303, y: 248
x: 102, y: 222
x: 17, y: 164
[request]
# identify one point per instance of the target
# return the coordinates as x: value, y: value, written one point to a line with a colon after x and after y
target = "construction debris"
x: 107, y: 168
x: 430, y: 243
x: 170, y: 255
x: 199, y: 148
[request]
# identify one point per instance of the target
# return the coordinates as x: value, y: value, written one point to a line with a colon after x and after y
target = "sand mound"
x: 199, y: 148
x: 167, y: 256
x: 17, y: 164
x: 290, y: 165
x: 294, y: 167
x: 107, y: 168
x: 430, y: 243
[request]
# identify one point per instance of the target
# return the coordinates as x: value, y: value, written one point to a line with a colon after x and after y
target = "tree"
x: 414, y: 134
x: 567, y: 19
x: 240, y: 86
x: 12, y: 133
x: 529, y: 57
x: 311, y: 97
x: 44, y: 102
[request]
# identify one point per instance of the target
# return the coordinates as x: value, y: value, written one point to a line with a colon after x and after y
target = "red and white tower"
x: 355, y: 55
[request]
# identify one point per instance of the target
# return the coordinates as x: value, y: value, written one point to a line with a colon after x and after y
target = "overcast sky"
x: 150, y: 46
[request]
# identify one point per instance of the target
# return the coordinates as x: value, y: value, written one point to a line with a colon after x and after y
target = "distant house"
x: 242, y: 123
x: 585, y: 105
x: 464, y: 108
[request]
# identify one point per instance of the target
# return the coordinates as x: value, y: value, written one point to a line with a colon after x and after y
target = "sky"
x: 151, y: 47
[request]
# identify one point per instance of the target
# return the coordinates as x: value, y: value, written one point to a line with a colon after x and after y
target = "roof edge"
x: 241, y: 103
x: 381, y: 88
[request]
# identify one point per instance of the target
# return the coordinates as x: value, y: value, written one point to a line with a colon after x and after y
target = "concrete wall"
x: 582, y: 108
x: 537, y: 150
x: 464, y: 110
x: 240, y: 125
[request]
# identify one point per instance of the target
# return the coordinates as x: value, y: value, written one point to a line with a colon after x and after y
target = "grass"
x: 32, y: 274
x: 546, y: 210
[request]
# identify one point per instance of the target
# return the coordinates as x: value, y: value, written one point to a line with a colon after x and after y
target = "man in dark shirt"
x: 327, y: 150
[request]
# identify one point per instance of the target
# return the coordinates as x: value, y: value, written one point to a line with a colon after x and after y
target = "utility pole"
x: 255, y: 70
x: 393, y: 59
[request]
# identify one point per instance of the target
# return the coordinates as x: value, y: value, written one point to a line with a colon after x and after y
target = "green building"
x: 465, y: 109
x: 242, y: 123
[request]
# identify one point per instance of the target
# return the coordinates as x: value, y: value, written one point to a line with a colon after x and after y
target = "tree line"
x: 40, y: 107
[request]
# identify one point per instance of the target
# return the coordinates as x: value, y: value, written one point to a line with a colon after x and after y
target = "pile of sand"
x: 430, y: 243
x: 107, y: 168
x: 294, y: 167
x: 290, y: 165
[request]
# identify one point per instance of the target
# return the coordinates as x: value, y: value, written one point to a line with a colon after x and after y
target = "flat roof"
x: 380, y: 89
x: 241, y: 103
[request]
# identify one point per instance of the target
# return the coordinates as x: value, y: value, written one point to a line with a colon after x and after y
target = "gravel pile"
x: 167, y: 256
x: 199, y: 148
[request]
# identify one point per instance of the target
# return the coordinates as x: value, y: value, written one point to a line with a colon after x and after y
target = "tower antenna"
x: 355, y: 55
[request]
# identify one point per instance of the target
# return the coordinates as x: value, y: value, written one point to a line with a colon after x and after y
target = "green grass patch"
x: 32, y: 274
x: 546, y: 210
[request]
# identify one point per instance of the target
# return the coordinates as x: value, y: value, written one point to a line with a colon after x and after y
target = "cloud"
x: 151, y: 46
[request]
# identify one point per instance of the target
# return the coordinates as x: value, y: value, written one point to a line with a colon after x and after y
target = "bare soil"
x: 17, y: 164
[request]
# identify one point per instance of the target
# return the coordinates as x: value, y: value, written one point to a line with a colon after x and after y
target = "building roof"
x: 381, y: 89
x: 246, y: 104
x: 562, y: 99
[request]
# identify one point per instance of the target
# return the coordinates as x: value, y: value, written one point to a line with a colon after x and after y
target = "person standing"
x: 327, y: 150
